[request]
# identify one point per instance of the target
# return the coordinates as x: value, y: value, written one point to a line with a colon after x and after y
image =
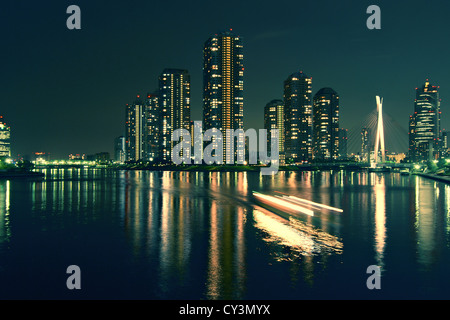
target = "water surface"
x: 200, y: 235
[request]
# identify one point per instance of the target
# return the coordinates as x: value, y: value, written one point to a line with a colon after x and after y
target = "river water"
x: 203, y: 235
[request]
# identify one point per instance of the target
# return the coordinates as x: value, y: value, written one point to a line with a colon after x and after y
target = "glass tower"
x: 425, y: 131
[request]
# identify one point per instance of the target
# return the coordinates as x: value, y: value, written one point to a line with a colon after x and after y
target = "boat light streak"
x: 285, y: 204
x: 313, y: 203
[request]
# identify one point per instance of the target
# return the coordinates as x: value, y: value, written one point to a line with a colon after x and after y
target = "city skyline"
x: 364, y: 63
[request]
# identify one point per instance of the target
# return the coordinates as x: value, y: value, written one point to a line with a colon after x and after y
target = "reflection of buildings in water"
x: 170, y: 217
x: 242, y: 183
x: 426, y: 222
x: 226, y: 252
x: 447, y: 208
x: 214, y: 266
x: 74, y: 191
x: 5, y: 228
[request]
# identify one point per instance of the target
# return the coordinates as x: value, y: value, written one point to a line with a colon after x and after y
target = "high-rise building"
x: 326, y: 125
x: 174, y: 103
x: 425, y: 139
x: 274, y: 119
x: 365, y: 145
x: 5, y: 139
x: 411, y: 131
x: 134, y: 130
x: 343, y: 143
x: 119, y: 149
x: 298, y: 117
x: 153, y: 128
x: 444, y: 143
x: 223, y: 87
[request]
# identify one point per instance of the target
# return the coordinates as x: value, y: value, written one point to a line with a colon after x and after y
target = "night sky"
x: 64, y: 91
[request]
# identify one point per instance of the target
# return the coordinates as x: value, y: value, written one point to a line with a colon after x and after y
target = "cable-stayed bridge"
x: 395, y: 136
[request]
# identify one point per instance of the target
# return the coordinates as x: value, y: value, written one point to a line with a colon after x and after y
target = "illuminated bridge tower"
x: 379, y: 141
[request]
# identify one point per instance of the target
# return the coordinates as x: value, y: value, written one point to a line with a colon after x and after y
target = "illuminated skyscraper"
x: 134, y: 130
x: 5, y: 139
x: 411, y: 131
x: 326, y: 125
x: 298, y: 117
x: 174, y: 103
x: 153, y: 128
x: 119, y: 149
x: 425, y: 134
x: 223, y: 86
x: 274, y: 119
x: 365, y: 145
x: 444, y: 143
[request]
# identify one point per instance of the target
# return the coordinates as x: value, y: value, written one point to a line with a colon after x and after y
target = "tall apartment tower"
x: 425, y: 138
x: 5, y: 139
x: 134, y: 130
x: 153, y: 128
x: 274, y: 119
x: 223, y: 87
x: 298, y: 117
x: 174, y: 103
x: 365, y: 145
x: 326, y: 125
x: 119, y: 149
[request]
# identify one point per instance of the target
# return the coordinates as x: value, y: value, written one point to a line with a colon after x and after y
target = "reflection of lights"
x: 282, y: 203
x: 283, y: 234
x: 380, y: 219
x: 299, y: 236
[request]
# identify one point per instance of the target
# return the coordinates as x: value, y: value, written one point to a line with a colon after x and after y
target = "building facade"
x: 274, y: 119
x: 153, y: 128
x: 298, y: 117
x: 326, y: 124
x: 366, y: 145
x: 134, y: 130
x: 174, y: 104
x: 5, y: 139
x: 119, y: 149
x: 223, y: 88
x: 424, y: 124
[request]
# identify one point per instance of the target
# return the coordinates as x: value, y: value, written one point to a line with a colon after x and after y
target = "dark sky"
x: 64, y: 91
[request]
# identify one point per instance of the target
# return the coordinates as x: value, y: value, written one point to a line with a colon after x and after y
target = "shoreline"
x: 20, y: 174
x: 445, y: 179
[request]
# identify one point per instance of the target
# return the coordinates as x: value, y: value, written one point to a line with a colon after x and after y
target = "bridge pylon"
x: 379, y: 139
